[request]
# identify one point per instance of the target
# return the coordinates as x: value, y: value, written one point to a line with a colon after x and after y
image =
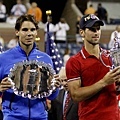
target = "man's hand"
x: 58, y: 81
x: 5, y: 84
x: 112, y: 76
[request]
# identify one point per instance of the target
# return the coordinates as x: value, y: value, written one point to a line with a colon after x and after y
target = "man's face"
x: 92, y: 34
x: 64, y: 82
x: 27, y: 33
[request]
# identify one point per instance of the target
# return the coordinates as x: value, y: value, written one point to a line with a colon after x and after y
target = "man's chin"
x: 94, y: 43
x: 28, y: 44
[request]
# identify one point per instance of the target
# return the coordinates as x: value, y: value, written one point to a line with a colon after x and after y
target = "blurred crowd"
x: 100, y: 12
x: 59, y: 30
x: 19, y: 9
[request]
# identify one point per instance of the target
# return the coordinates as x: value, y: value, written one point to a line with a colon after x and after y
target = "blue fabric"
x: 22, y: 108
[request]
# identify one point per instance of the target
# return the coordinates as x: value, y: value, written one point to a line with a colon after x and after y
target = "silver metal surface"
x: 32, y: 79
x: 115, y: 51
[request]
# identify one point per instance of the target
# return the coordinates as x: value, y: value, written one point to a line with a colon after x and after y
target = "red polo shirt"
x: 103, y: 105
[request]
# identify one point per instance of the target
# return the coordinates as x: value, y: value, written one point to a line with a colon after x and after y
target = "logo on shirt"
x: 39, y: 56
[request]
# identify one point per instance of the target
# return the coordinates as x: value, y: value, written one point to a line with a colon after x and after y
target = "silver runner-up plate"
x: 32, y: 79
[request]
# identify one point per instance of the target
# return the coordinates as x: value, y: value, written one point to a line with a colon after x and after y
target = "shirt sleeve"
x: 73, y: 68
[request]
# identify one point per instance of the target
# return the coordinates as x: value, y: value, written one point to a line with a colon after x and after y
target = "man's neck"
x: 93, y: 50
x: 27, y: 49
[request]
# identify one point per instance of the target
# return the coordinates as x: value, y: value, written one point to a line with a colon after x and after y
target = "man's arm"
x: 82, y: 93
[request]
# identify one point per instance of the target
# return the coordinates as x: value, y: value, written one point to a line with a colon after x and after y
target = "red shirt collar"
x: 85, y: 54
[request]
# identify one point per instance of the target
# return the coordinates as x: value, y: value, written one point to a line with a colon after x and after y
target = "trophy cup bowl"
x: 115, y: 51
x: 115, y: 55
x: 32, y: 79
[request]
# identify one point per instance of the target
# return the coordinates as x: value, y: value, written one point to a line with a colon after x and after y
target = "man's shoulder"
x: 42, y: 53
x: 6, y: 57
x: 7, y: 52
x: 76, y: 56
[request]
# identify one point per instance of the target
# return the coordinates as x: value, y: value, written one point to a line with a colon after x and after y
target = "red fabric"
x: 103, y: 105
x: 118, y: 98
x: 66, y: 106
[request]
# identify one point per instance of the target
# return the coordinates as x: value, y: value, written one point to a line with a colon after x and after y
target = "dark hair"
x: 23, y: 18
x: 99, y: 4
x: 91, y: 5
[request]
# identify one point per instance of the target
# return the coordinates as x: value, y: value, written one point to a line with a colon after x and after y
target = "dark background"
x: 56, y: 6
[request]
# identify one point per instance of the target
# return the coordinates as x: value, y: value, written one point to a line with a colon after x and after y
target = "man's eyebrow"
x: 26, y: 29
x: 29, y: 28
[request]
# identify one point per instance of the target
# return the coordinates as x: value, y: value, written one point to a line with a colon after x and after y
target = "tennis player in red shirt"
x: 90, y: 80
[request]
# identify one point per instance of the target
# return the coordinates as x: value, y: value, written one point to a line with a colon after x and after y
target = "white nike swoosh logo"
x: 39, y: 56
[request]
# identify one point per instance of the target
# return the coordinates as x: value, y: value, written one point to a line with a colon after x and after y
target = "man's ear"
x: 17, y: 33
x: 82, y: 33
